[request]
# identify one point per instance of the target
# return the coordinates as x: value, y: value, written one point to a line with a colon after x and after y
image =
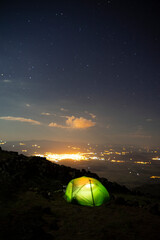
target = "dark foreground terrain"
x: 32, y: 205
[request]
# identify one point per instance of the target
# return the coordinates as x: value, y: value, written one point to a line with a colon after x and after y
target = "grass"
x: 33, y: 216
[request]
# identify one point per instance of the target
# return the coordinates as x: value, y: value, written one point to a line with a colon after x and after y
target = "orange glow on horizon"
x: 58, y: 157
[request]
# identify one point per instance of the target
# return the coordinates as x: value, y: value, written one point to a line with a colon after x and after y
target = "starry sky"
x: 81, y: 71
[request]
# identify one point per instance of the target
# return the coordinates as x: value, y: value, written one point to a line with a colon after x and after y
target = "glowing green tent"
x: 86, y: 191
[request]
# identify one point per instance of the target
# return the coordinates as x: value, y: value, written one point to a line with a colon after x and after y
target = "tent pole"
x: 92, y: 192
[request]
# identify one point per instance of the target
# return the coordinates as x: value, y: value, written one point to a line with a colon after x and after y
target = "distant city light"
x: 140, y: 162
x: 155, y: 177
x: 59, y: 157
x: 118, y: 161
x: 156, y: 158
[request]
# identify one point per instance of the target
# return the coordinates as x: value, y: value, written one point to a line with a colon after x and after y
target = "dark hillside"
x: 32, y: 205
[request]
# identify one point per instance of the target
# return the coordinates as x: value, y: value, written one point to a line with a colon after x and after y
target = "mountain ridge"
x: 32, y: 205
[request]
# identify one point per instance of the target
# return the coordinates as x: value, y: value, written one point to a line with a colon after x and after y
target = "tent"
x: 86, y: 191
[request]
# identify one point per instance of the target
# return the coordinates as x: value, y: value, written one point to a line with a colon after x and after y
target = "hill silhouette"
x: 32, y: 205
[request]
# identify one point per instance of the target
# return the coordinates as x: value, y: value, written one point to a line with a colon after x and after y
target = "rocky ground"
x: 32, y: 205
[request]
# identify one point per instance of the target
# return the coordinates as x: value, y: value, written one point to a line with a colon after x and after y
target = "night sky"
x: 80, y: 71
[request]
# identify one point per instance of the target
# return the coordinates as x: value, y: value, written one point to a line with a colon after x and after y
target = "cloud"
x: 7, y: 81
x: 75, y: 123
x: 20, y: 119
x: 140, y: 133
x: 63, y: 109
x: 45, y: 114
x: 142, y: 136
x: 81, y: 122
x: 52, y: 124
x: 28, y: 105
x: 92, y: 115
x: 149, y: 120
x: 108, y: 126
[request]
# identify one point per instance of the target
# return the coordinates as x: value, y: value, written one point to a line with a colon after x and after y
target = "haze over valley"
x: 129, y: 165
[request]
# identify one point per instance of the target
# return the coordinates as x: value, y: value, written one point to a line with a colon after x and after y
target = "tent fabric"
x: 86, y: 191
